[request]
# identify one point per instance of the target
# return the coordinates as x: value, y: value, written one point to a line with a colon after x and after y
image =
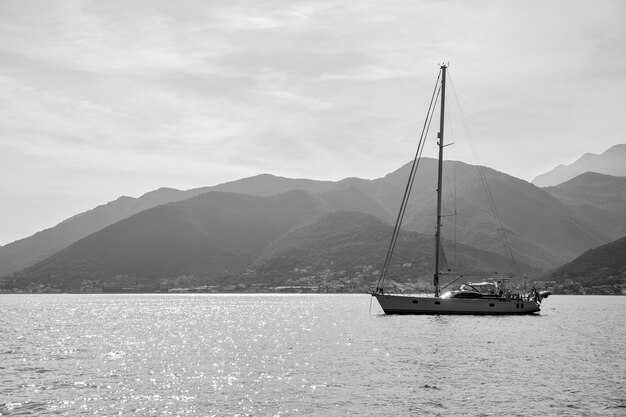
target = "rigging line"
x: 391, y: 253
x: 501, y: 231
x: 407, y: 191
x: 497, y: 214
x: 394, y: 237
x: 494, y: 210
x: 443, y: 256
x: 453, y: 281
x: 419, y: 157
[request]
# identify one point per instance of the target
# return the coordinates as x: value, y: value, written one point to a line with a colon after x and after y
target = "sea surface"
x: 299, y: 355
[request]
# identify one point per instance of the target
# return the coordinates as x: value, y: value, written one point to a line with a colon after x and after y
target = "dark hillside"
x: 605, y: 265
x: 206, y: 235
x: 28, y: 251
x: 345, y: 241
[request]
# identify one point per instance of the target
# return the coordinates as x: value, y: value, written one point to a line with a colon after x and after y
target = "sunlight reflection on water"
x: 304, y: 355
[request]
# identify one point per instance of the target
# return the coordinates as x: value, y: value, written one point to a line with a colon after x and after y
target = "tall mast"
x: 439, y: 177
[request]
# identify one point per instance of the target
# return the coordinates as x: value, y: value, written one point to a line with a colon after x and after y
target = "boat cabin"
x: 496, y: 289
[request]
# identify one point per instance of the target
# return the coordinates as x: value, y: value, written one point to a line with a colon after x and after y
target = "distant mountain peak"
x: 621, y: 147
x: 610, y: 162
x: 586, y: 178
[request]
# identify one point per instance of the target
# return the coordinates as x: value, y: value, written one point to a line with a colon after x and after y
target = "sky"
x: 100, y: 99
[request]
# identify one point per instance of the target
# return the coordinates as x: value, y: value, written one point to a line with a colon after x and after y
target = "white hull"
x: 403, y: 304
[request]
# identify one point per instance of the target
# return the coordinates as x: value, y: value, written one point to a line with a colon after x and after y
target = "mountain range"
x: 221, y: 234
x: 346, y: 240
x: 268, y: 225
x: 610, y: 162
x: 209, y: 234
x: 28, y: 251
x: 598, y: 200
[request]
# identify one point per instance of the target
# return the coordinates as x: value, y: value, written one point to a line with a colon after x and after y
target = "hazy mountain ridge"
x: 539, y: 227
x: 25, y: 252
x: 352, y: 198
x: 597, y: 199
x: 610, y: 162
x: 211, y: 234
x: 265, y: 185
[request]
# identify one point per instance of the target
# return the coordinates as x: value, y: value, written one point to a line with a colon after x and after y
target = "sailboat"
x: 492, y: 296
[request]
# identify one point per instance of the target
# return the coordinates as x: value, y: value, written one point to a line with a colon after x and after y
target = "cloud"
x: 193, y: 93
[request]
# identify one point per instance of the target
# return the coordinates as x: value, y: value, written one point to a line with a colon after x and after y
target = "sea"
x: 305, y: 355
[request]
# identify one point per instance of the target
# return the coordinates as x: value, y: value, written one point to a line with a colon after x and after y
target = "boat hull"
x: 402, y: 304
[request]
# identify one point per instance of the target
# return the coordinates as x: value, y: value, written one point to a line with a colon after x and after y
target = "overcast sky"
x: 100, y: 99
